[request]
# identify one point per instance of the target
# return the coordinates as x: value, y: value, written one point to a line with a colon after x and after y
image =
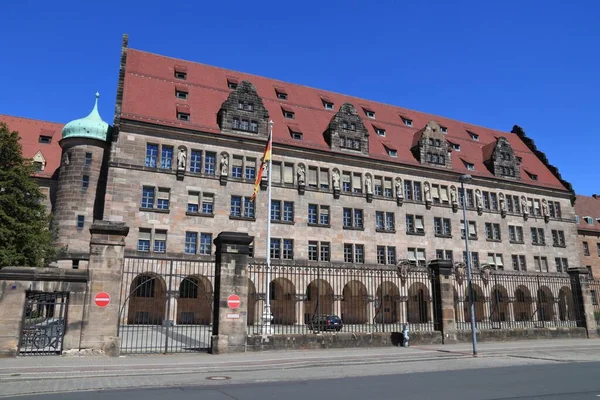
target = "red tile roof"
x: 587, y: 206
x: 149, y: 96
x: 30, y: 131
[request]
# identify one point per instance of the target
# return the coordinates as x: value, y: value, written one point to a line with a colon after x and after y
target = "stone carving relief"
x: 460, y: 273
x: 427, y: 190
x: 181, y: 158
x: 502, y: 202
x: 524, y: 205
x: 478, y: 198
x: 453, y: 195
x: 369, y: 184
x: 66, y: 158
x: 399, y: 193
x: 225, y: 164
x: 485, y: 275
x: 336, y: 179
x: 301, y: 175
x: 545, y: 211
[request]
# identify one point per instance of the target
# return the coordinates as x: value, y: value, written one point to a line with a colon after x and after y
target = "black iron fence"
x: 166, y: 305
x: 595, y: 294
x: 366, y: 299
x: 509, y: 300
x: 44, y: 322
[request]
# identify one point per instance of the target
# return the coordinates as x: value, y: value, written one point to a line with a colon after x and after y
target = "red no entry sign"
x: 102, y: 299
x: 233, y: 301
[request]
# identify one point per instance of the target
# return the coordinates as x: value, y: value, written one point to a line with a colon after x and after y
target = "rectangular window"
x: 515, y: 234
x: 151, y: 155
x: 558, y: 238
x: 250, y: 172
x: 414, y: 224
x: 236, y: 167
x: 474, y: 259
x: 417, y: 193
x: 85, y: 182
x: 325, y: 251
x: 192, y: 205
x: 442, y: 226
x: 210, y: 161
x: 518, y: 262
x: 537, y: 236
x: 166, y: 157
x: 562, y: 264
x: 416, y: 256
x: 346, y: 182
x: 472, y: 229
x: 208, y: 202
x: 144, y: 240
x: 356, y: 183
x: 80, y: 222
x: 248, y: 208
x: 496, y: 260
x: 318, y: 251
x: 598, y: 248
x: 160, y: 241
x: 408, y: 194
x: 288, y: 249
x: 541, y: 264
x: 181, y: 94
x: 88, y: 158
x: 196, y: 161
x: 381, y: 255
x: 313, y: 251
x: 191, y: 242
x: 205, y: 243
x: 353, y: 218
x: 288, y: 211
x: 276, y: 210
x: 148, y: 197
x: 162, y: 201
x: 348, y: 253
x: 444, y: 255
x: 236, y: 206
x: 387, y: 188
x: 586, y: 249
x: 492, y: 231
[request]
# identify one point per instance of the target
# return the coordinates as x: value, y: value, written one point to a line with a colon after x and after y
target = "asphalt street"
x: 573, y: 381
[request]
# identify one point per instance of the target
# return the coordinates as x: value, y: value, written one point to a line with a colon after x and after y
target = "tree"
x: 25, y: 237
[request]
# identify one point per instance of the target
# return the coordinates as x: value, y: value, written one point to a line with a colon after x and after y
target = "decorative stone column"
x: 443, y: 299
x: 107, y: 254
x: 584, y: 308
x: 230, y: 324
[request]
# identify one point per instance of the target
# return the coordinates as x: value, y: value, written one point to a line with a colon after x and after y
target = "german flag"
x: 265, y: 159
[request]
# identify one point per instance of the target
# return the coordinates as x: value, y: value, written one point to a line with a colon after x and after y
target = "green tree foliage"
x: 25, y: 237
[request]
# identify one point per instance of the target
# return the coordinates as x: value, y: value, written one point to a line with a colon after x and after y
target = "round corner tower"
x: 81, y: 183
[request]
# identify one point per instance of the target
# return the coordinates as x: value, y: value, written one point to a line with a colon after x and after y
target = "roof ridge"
x: 32, y: 119
x: 324, y: 91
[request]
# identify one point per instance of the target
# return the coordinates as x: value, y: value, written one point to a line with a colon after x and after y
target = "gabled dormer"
x: 346, y: 132
x: 431, y: 147
x: 244, y: 112
x: 501, y: 160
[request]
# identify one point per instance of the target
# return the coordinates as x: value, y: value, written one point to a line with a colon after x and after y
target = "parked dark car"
x: 326, y: 323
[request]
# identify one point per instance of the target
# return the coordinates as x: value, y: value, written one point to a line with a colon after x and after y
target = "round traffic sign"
x: 233, y: 301
x: 102, y: 299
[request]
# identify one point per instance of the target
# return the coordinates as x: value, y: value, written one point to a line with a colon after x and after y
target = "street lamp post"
x: 467, y: 178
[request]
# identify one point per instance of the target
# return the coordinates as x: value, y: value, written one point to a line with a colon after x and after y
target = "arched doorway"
x: 283, y: 304
x: 388, y: 296
x: 566, y: 305
x: 194, y: 306
x: 251, y: 303
x: 522, y: 304
x: 147, y: 300
x: 545, y: 304
x: 418, y: 304
x: 319, y: 299
x: 354, y: 303
x: 478, y: 304
x: 499, y: 312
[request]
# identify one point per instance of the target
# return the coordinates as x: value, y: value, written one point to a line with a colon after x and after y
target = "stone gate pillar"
x: 230, y: 324
x: 443, y: 300
x: 107, y: 254
x: 582, y: 297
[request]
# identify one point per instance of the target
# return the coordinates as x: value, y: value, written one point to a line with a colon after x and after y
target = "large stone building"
x: 354, y: 182
x: 588, y: 229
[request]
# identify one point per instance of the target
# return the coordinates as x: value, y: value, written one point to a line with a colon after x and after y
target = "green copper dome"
x: 92, y: 126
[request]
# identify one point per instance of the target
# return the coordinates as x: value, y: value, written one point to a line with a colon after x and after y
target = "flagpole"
x: 267, y: 329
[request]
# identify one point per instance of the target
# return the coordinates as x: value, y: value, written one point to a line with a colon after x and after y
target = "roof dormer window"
x: 469, y: 166
x: 407, y: 121
x: 392, y: 152
x: 589, y: 220
x: 455, y: 147
x: 245, y: 106
x: 281, y: 93
x: 232, y: 83
x: 45, y: 139
x: 182, y: 116
x: 328, y: 105
x: 181, y: 94
x: 288, y: 114
x: 473, y: 135
x: 180, y: 73
x: 369, y: 113
x: 379, y: 131
x: 443, y: 129
x: 296, y: 135
x: 533, y: 177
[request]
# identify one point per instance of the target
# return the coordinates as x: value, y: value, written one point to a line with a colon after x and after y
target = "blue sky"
x: 494, y: 63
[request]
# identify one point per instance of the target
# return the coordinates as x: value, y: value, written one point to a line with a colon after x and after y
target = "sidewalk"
x: 69, y: 373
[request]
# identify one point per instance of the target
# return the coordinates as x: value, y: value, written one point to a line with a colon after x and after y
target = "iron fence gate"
x: 44, y: 322
x: 166, y: 305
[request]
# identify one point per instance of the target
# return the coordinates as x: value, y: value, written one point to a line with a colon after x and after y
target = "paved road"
x: 572, y: 381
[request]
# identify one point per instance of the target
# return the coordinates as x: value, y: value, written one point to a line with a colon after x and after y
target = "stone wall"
x: 16, y: 281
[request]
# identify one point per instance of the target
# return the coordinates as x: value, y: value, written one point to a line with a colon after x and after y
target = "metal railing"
x: 367, y: 299
x: 512, y: 300
x: 595, y: 294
